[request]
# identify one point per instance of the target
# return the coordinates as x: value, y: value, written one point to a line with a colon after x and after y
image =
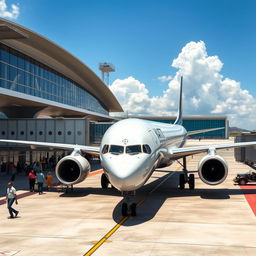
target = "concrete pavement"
x: 210, y: 220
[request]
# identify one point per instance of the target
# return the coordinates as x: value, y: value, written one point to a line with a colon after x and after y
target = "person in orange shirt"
x: 49, y: 180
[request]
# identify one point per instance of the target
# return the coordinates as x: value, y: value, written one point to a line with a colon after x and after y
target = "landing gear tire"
x: 191, y: 181
x: 133, y: 209
x: 242, y: 182
x: 104, y: 181
x: 182, y: 181
x: 124, y: 209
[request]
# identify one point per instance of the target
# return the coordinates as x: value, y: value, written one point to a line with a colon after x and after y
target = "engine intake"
x: 72, y: 169
x: 213, y: 169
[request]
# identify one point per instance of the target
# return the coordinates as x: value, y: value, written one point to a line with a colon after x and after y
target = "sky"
x: 151, y: 43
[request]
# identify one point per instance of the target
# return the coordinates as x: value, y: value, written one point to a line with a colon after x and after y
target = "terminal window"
x: 22, y: 73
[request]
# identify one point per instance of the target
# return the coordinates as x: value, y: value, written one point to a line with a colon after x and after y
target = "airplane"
x: 130, y: 151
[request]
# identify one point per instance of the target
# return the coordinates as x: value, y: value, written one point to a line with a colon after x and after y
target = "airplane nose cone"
x: 122, y: 183
x: 123, y: 174
x: 122, y: 178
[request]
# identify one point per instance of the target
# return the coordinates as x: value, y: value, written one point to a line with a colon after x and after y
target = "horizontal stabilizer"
x: 205, y: 130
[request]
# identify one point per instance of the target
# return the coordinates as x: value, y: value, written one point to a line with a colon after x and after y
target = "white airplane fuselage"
x: 131, y: 149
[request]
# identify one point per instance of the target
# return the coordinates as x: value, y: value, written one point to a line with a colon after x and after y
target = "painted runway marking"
x: 117, y: 226
x: 251, y: 198
x: 153, y: 190
x: 104, y: 238
x: 8, y: 253
x: 95, y: 172
x: 3, y: 201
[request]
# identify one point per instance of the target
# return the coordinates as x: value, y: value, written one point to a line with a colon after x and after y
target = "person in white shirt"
x: 10, y: 198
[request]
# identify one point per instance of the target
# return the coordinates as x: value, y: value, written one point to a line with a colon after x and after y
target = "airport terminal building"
x: 39, y: 78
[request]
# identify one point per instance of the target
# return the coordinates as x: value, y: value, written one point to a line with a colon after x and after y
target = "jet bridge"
x: 246, y: 155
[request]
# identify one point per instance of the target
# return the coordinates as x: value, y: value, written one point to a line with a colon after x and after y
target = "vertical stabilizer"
x: 179, y: 116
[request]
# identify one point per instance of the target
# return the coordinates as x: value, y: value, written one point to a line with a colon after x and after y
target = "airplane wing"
x: 176, y: 153
x: 204, y: 130
x: 33, y: 144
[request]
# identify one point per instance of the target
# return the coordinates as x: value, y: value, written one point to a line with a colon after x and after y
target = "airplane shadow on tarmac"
x: 153, y: 200
x: 169, y: 189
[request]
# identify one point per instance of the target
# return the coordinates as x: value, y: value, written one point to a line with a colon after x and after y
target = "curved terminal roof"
x: 50, y: 54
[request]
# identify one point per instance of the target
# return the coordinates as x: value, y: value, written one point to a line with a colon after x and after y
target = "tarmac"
x: 210, y: 220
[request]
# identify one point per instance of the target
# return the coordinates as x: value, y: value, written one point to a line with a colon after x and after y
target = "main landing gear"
x: 185, y: 178
x: 127, y: 208
x: 68, y: 189
x: 105, y: 182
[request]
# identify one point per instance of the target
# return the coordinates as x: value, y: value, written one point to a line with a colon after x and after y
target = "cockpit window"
x: 146, y: 149
x: 133, y: 150
x: 116, y: 150
x: 105, y: 149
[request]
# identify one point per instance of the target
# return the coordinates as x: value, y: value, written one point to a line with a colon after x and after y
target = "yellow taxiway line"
x: 118, y: 225
x: 104, y: 238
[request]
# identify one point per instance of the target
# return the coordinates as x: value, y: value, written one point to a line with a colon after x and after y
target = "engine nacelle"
x: 72, y: 169
x: 212, y: 169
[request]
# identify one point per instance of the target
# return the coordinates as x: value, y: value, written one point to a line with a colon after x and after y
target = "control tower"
x: 105, y: 69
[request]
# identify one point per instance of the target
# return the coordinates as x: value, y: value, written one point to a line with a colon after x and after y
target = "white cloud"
x: 11, y: 14
x: 205, y: 92
x: 164, y: 79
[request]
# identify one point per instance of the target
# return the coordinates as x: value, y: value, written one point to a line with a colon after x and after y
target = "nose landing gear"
x: 127, y: 208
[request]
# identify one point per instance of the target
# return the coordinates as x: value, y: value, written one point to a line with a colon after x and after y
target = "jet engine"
x: 212, y: 169
x: 72, y: 169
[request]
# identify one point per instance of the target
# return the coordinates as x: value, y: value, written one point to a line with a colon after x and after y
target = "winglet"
x: 179, y: 116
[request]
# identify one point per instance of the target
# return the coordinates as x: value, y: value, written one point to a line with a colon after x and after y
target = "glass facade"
x: 22, y: 73
x: 97, y: 130
x: 199, y: 124
x: 192, y: 125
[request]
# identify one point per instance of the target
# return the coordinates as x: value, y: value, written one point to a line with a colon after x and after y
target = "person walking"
x: 32, y: 179
x: 13, y: 171
x: 49, y: 178
x: 10, y: 198
x: 40, y: 180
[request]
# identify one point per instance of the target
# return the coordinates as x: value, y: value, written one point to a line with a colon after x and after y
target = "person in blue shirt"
x: 40, y: 180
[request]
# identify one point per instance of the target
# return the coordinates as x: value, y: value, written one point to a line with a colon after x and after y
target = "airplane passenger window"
x: 116, y: 150
x: 146, y: 149
x: 105, y: 149
x: 133, y: 150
